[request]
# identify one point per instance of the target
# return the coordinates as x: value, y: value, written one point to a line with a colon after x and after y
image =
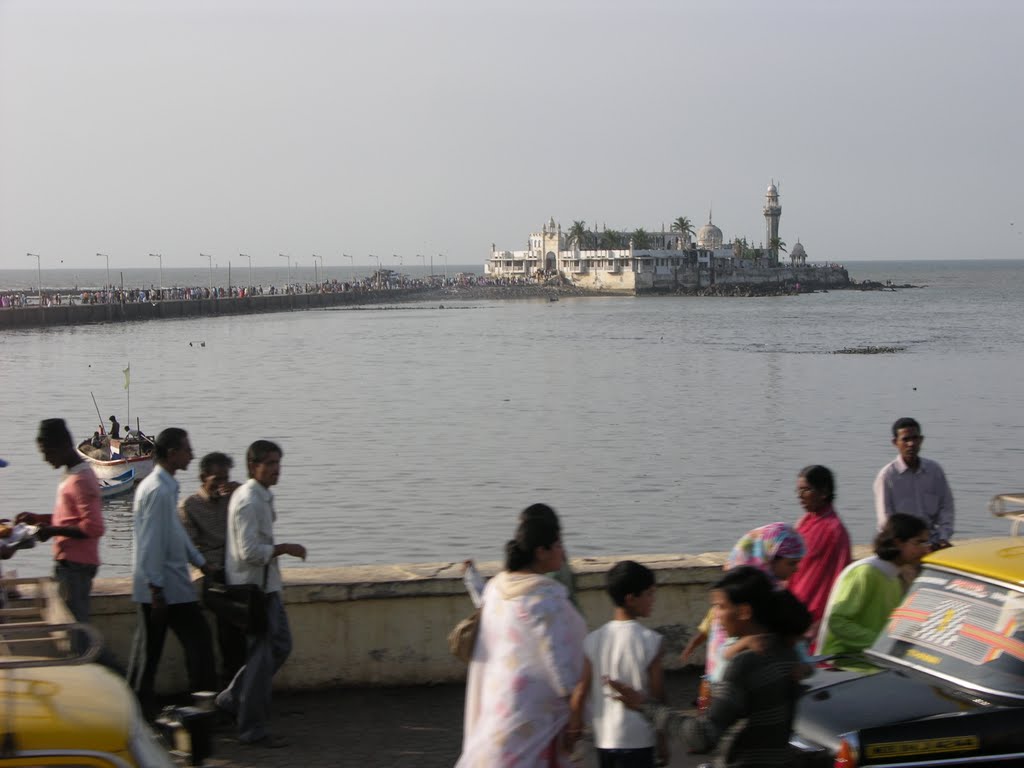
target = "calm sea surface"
x: 416, y: 433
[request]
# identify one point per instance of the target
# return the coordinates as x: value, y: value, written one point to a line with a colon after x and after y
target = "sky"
x: 894, y: 128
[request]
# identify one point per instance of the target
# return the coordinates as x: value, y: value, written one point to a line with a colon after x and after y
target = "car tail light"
x: 846, y: 757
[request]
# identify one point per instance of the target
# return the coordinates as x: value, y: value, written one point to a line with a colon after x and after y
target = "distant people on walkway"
x: 868, y: 590
x: 204, y: 515
x: 622, y: 649
x: 759, y: 687
x: 914, y: 485
x: 115, y: 428
x: 777, y: 550
x: 527, y: 659
x: 252, y: 558
x: 161, y: 582
x: 75, y: 525
x: 826, y: 540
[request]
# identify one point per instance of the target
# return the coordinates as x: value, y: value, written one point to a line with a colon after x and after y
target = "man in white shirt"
x: 915, y: 486
x: 252, y: 559
x: 161, y: 581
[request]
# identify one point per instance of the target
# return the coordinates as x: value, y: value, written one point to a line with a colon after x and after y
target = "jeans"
x: 75, y: 581
x: 248, y: 695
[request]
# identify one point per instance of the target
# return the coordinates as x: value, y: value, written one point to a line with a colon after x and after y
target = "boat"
x: 117, y: 485
x: 114, y: 457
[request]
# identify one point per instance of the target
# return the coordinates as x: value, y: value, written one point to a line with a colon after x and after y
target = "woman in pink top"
x: 828, y: 542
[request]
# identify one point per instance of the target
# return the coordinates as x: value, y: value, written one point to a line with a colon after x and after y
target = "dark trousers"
x: 188, y: 624
x: 231, y: 642
x: 626, y: 758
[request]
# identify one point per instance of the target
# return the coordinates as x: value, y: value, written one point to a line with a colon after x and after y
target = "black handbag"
x: 241, y: 605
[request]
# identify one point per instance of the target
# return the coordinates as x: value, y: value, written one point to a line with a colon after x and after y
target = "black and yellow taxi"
x: 946, y: 685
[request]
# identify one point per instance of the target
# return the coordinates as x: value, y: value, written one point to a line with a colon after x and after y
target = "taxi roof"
x: 83, y: 706
x: 1001, y: 559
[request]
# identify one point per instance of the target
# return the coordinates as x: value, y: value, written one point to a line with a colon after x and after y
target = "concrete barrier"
x: 389, y: 624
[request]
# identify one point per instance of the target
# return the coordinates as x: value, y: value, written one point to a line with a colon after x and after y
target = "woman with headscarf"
x: 827, y: 540
x: 775, y: 549
x: 527, y: 658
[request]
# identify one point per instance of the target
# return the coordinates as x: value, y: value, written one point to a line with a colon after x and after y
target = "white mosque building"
x: 667, y: 259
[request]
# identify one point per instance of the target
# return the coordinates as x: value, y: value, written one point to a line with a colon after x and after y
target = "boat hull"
x: 115, y: 486
x: 118, y: 464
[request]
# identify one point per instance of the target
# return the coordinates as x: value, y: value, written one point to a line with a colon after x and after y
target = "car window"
x: 960, y: 627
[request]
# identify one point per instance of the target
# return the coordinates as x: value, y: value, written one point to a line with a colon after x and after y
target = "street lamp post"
x: 108, y: 268
x: 289, y: 258
x: 160, y: 258
x: 246, y: 255
x: 378, y: 269
x: 39, y: 275
x: 315, y: 257
x: 353, y: 264
x: 421, y: 256
x: 445, y: 257
x: 400, y: 262
x: 210, y: 259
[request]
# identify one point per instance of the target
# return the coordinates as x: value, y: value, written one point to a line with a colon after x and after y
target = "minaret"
x: 772, y: 213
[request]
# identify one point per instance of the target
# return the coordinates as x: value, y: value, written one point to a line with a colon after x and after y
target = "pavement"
x: 414, y: 727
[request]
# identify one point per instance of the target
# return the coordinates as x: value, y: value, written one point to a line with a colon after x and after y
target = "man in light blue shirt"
x: 914, y: 485
x: 161, y: 584
x: 252, y: 559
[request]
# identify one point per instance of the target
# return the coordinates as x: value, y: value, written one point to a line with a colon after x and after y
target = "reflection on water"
x: 652, y: 425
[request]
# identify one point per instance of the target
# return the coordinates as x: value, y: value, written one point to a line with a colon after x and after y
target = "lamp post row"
x: 160, y: 259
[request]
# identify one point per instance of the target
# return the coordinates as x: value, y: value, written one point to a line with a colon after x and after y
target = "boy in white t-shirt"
x: 621, y: 649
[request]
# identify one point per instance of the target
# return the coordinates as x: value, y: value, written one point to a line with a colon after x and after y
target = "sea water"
x: 417, y: 433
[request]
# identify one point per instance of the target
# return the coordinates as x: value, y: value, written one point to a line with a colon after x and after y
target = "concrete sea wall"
x: 82, y: 314
x: 388, y: 625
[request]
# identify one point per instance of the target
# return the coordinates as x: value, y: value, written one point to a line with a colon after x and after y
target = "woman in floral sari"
x: 527, y: 659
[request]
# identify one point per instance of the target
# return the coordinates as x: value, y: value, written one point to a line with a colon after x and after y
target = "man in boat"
x: 115, y: 428
x: 205, y: 517
x: 76, y: 523
x: 161, y: 582
x: 252, y: 558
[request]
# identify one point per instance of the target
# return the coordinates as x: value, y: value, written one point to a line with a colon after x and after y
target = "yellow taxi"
x: 56, y: 707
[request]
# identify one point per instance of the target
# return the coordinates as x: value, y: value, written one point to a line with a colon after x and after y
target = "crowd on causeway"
x: 536, y: 679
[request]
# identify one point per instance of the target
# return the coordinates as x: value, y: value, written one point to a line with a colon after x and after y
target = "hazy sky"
x: 894, y: 128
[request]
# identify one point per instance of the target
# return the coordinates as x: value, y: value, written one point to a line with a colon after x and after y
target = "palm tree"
x: 611, y: 239
x: 640, y: 238
x: 578, y: 234
x: 777, y: 244
x: 684, y: 227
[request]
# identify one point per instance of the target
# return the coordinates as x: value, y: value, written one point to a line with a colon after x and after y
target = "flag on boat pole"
x: 128, y: 376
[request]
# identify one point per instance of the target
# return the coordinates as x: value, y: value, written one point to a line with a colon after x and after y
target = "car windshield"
x: 960, y: 627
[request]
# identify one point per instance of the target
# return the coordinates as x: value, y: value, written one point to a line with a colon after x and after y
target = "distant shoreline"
x: 12, y: 318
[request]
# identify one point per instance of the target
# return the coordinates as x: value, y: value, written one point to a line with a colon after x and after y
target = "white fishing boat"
x: 118, y: 485
x: 112, y: 458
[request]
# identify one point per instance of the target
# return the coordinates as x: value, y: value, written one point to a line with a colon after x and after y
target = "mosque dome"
x: 709, y: 236
x: 798, y: 251
x: 772, y: 189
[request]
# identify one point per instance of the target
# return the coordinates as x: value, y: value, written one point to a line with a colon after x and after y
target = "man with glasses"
x: 915, y: 485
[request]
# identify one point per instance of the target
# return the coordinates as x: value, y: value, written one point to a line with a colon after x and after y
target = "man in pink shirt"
x: 77, y: 520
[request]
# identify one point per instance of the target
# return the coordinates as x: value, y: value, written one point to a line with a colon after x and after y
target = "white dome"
x: 709, y: 236
x: 772, y: 189
x: 798, y: 251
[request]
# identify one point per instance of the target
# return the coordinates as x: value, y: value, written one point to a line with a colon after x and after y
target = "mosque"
x: 615, y: 261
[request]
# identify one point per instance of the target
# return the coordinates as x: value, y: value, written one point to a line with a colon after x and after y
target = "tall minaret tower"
x: 772, y: 213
